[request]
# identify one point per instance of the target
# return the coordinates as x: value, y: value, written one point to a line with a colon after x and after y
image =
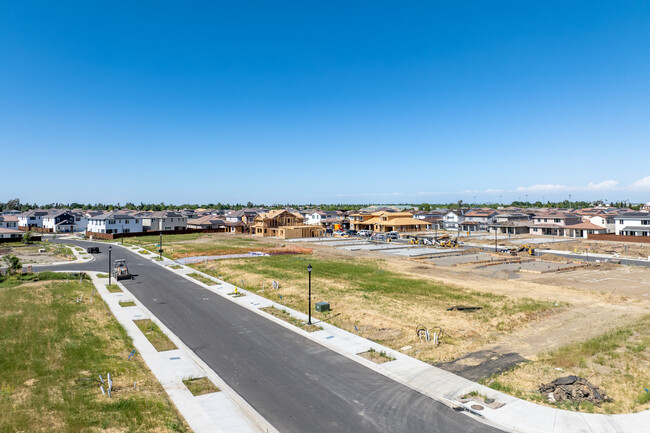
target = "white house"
x: 604, y: 220
x: 164, y: 220
x: 633, y: 224
x: 32, y: 218
x: 114, y: 222
x: 452, y: 219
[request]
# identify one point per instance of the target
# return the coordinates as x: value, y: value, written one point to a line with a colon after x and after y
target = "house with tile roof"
x: 384, y: 222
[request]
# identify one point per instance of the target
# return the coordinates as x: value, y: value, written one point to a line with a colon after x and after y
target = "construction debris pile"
x: 573, y: 388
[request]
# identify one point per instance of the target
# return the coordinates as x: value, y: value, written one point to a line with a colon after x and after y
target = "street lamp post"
x: 160, y: 249
x: 309, y: 268
x: 496, y: 245
x: 109, y: 265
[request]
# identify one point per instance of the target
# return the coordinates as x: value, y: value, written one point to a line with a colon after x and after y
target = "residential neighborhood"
x: 307, y: 222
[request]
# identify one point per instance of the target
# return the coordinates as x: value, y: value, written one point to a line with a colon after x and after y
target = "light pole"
x: 109, y: 265
x: 122, y: 234
x: 496, y: 245
x: 309, y: 268
x: 160, y: 249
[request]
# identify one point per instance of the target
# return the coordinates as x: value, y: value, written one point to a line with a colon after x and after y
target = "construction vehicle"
x: 447, y: 242
x: 121, y: 271
x: 527, y: 248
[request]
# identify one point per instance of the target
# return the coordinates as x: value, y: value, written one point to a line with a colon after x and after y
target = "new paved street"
x: 296, y: 384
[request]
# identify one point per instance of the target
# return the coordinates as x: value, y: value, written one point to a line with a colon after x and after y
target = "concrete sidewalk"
x: 221, y: 412
x: 515, y: 415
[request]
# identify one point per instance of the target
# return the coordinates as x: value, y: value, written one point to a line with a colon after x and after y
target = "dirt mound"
x: 552, y: 258
x: 573, y: 388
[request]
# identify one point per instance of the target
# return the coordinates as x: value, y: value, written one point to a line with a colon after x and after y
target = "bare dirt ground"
x: 29, y: 254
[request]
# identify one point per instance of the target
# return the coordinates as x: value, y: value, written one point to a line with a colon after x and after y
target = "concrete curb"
x: 223, y: 412
x: 516, y: 415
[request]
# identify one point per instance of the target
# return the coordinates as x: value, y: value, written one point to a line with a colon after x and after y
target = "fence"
x: 619, y: 238
x: 19, y: 239
x: 111, y: 236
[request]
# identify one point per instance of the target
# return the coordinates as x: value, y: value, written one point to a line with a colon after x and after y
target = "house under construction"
x: 284, y: 224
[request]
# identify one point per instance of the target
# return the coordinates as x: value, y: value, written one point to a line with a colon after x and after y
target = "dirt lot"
x: 29, y: 254
x: 524, y: 315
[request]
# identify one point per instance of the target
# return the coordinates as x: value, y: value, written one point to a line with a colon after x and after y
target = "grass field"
x: 620, y: 358
x: 53, y: 350
x: 197, y: 244
x: 383, y: 305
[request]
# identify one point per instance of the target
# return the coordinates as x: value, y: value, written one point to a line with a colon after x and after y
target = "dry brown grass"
x: 388, y: 318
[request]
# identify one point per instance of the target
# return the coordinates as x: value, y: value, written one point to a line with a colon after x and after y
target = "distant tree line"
x: 15, y: 204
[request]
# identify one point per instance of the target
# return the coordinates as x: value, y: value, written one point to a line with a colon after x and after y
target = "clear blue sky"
x: 324, y: 102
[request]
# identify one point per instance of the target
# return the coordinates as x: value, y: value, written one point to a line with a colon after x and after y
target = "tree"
x: 27, y: 237
x: 13, y: 204
x: 13, y: 263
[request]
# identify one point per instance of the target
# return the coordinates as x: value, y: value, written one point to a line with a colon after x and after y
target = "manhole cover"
x: 477, y: 407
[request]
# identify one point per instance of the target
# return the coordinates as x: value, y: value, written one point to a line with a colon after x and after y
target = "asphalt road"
x: 296, y: 384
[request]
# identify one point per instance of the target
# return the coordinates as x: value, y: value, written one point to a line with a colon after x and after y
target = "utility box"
x: 322, y: 307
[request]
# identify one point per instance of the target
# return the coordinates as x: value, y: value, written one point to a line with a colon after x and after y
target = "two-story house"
x: 633, y: 224
x: 553, y: 223
x: 32, y: 219
x: 477, y: 219
x: 383, y: 222
x: 114, y: 222
x: 284, y: 224
x: 453, y: 219
x: 163, y: 221
x: 62, y: 221
x: 513, y: 223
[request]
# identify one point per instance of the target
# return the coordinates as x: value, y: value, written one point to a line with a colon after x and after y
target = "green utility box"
x: 322, y: 307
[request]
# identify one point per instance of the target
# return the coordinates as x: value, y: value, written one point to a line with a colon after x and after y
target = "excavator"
x: 527, y: 248
x: 447, y: 242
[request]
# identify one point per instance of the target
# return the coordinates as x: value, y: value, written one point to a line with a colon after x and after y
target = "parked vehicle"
x: 92, y: 250
x: 392, y: 235
x: 351, y: 232
x: 365, y: 233
x: 121, y: 271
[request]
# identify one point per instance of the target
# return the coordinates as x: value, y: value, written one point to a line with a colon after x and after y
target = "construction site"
x: 514, y: 318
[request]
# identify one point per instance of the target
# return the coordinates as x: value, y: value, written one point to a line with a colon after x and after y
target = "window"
x: 620, y: 221
x: 557, y: 220
x: 645, y: 222
x: 136, y: 221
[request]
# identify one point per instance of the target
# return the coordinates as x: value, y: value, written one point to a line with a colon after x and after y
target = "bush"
x: 13, y: 263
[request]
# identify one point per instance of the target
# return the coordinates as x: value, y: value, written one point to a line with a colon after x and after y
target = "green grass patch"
x: 175, y: 267
x: 376, y: 357
x: 200, y: 386
x: 202, y: 279
x: 127, y: 304
x: 282, y: 314
x: 367, y: 277
x: 158, y: 259
x: 211, y: 244
x: 52, y: 353
x: 154, y: 334
x: 102, y: 275
x: 113, y: 288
